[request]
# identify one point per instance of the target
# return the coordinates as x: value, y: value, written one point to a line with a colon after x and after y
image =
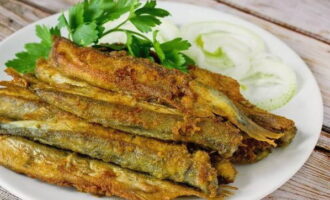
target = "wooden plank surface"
x: 324, y: 141
x: 14, y: 15
x: 56, y: 6
x: 312, y: 181
x: 311, y: 17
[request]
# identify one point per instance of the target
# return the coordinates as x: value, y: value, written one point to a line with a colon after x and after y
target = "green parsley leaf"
x: 138, y: 47
x: 150, y: 8
x: 178, y: 44
x: 174, y: 60
x: 86, y: 19
x: 189, y: 61
x: 55, y: 31
x: 94, y: 9
x: 145, y: 23
x: 44, y: 34
x: 170, y: 55
x: 76, y: 16
x: 25, y: 61
x: 62, y: 22
x: 145, y: 18
x: 159, y: 51
x: 86, y: 34
x: 85, y: 23
x: 116, y: 10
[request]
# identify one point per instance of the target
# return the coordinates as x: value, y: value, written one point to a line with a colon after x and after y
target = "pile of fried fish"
x: 110, y: 124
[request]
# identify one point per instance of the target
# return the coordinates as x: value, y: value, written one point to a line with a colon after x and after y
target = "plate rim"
x: 22, y: 195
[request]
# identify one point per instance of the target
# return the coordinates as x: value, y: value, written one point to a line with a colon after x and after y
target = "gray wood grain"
x: 312, y: 181
x: 310, y: 17
x: 5, y: 195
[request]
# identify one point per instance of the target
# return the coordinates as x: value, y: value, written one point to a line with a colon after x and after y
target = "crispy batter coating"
x: 78, y: 87
x: 226, y: 170
x: 50, y: 75
x: 248, y: 152
x: 61, y: 129
x: 147, y: 80
x: 151, y: 121
x: 209, y: 133
x: 16, y: 107
x: 86, y: 175
x: 157, y: 120
x: 141, y: 77
x: 230, y: 87
x: 162, y: 160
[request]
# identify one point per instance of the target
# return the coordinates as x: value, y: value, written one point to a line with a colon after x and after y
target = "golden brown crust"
x: 198, y: 93
x: 58, y: 128
x: 231, y: 87
x: 188, y: 105
x: 227, y: 85
x: 209, y: 133
x: 226, y: 170
x: 169, y: 160
x: 17, y: 107
x: 162, y: 160
x: 86, y: 175
x: 141, y: 77
x: 50, y: 75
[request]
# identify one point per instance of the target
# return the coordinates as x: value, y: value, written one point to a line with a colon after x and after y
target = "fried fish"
x: 87, y: 175
x: 209, y: 133
x: 250, y: 151
x: 154, y: 121
x: 231, y: 88
x: 157, y: 158
x: 162, y: 160
x: 56, y: 127
x: 147, y: 80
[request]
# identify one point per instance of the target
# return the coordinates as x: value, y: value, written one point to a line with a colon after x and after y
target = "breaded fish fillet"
x: 247, y: 153
x: 154, y: 121
x: 250, y: 151
x: 119, y: 147
x: 162, y: 160
x: 87, y: 175
x: 21, y: 104
x: 216, y: 135
x: 231, y: 87
x: 147, y: 80
x: 17, y: 107
x: 50, y: 75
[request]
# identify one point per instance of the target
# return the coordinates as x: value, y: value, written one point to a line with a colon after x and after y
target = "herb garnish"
x: 85, y: 24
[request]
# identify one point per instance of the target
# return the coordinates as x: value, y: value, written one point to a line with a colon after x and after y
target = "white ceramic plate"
x: 254, y: 181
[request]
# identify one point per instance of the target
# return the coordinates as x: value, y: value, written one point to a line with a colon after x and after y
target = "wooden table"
x: 303, y: 24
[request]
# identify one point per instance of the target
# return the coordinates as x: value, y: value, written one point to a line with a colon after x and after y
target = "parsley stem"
x: 127, y: 31
x: 131, y: 13
x: 67, y: 26
x: 117, y: 27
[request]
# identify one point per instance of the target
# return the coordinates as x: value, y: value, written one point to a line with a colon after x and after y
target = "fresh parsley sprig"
x: 85, y: 24
x: 86, y: 20
x: 145, y: 18
x: 170, y: 54
x: 25, y: 61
